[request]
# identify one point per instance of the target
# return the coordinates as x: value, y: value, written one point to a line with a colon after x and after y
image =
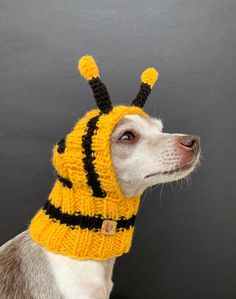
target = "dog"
x: 142, y: 156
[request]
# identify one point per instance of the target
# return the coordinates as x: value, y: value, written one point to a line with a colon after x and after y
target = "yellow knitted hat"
x: 86, y: 215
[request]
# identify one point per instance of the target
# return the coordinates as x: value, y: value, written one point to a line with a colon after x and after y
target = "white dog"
x: 27, y: 270
x: 142, y: 156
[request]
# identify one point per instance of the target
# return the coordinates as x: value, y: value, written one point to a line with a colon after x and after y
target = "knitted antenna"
x: 89, y: 70
x: 148, y: 79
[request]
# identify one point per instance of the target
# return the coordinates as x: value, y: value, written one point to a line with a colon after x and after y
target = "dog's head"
x: 117, y: 151
x: 143, y: 155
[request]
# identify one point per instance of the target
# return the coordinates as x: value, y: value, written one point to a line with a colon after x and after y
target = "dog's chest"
x: 80, y: 278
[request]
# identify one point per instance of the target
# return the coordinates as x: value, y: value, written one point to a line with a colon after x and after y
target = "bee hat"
x: 86, y: 215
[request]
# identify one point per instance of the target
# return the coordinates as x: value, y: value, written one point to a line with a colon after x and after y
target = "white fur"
x: 155, y: 151
x: 81, y: 279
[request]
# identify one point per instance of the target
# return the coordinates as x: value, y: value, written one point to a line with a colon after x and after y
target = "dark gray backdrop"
x: 185, y: 240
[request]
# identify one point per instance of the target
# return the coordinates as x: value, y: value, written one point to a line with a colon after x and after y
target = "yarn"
x: 87, y: 216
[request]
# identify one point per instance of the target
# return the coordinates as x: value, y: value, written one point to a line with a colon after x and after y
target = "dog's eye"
x: 127, y: 136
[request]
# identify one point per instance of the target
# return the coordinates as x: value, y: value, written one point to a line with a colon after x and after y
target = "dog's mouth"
x: 171, y: 172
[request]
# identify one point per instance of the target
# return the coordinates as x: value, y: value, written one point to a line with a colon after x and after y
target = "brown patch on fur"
x: 25, y: 272
x: 12, y: 284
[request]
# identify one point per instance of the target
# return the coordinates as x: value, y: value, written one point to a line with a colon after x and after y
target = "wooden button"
x: 108, y: 227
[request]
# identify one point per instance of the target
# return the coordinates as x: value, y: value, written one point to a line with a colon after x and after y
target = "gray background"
x: 185, y: 240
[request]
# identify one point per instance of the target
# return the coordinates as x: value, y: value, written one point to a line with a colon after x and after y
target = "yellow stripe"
x: 61, y: 239
x: 71, y: 202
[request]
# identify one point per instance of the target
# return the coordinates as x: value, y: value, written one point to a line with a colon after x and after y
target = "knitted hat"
x: 86, y: 215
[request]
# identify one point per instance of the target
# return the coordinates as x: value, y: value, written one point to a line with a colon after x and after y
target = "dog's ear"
x: 89, y: 70
x: 148, y: 79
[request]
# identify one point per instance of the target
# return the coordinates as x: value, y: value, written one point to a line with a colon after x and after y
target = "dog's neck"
x: 76, y: 224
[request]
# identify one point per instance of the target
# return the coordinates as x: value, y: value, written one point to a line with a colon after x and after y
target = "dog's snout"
x: 190, y: 142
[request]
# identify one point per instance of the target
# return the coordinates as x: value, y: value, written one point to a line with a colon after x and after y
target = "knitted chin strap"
x: 89, y: 70
x: 87, y: 216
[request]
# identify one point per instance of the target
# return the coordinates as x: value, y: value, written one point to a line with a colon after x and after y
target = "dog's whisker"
x: 187, y: 181
x: 172, y: 188
x: 155, y: 187
x: 162, y: 186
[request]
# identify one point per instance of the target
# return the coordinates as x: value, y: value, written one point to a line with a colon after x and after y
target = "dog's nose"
x: 190, y: 143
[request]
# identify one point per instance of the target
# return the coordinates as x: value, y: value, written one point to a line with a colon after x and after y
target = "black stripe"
x: 142, y: 95
x: 92, y: 177
x: 65, y: 182
x: 101, y: 95
x: 61, y: 146
x: 89, y: 222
